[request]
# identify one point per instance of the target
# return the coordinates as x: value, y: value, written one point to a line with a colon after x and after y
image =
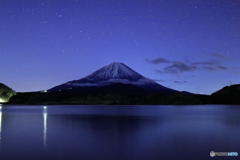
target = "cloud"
x: 180, y: 82
x: 222, y: 67
x: 159, y: 71
x: 177, y: 82
x: 210, y: 68
x: 177, y: 67
x: 219, y: 55
x: 158, y: 60
x: 216, y: 68
x: 205, y: 63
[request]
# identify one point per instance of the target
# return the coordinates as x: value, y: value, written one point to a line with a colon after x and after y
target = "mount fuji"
x: 112, y: 78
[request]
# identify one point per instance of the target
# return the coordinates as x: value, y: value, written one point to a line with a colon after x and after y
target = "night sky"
x: 191, y: 45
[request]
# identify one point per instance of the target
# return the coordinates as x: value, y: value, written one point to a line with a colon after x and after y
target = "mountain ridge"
x: 113, y: 73
x: 228, y: 94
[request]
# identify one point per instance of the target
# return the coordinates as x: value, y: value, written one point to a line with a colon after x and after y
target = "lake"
x: 164, y: 132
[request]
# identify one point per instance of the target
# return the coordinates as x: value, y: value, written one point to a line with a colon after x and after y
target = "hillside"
x: 5, y: 93
x: 228, y: 95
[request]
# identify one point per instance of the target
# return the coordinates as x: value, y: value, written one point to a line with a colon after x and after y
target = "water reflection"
x: 45, y: 126
x: 112, y: 132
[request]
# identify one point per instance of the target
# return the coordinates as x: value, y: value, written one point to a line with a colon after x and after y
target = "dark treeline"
x: 94, y: 99
x: 227, y: 95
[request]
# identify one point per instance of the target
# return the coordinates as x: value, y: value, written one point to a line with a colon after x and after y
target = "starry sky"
x: 190, y: 45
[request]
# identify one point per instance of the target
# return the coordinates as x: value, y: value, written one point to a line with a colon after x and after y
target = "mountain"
x: 5, y: 93
x: 228, y: 95
x: 109, y: 79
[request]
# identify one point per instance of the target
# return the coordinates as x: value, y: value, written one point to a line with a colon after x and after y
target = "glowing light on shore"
x: 0, y: 125
x: 1, y: 100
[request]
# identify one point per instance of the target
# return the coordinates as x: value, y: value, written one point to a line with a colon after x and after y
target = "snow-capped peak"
x: 114, y: 70
x: 112, y: 74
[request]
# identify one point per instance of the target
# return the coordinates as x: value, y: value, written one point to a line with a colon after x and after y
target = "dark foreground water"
x: 118, y: 132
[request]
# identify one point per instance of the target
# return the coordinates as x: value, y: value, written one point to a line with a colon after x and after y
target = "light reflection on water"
x: 45, y: 126
x: 118, y: 132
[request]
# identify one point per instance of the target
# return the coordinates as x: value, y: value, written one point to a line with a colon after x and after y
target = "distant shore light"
x: 1, y: 100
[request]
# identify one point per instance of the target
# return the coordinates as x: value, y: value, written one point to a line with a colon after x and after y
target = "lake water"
x: 67, y: 132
